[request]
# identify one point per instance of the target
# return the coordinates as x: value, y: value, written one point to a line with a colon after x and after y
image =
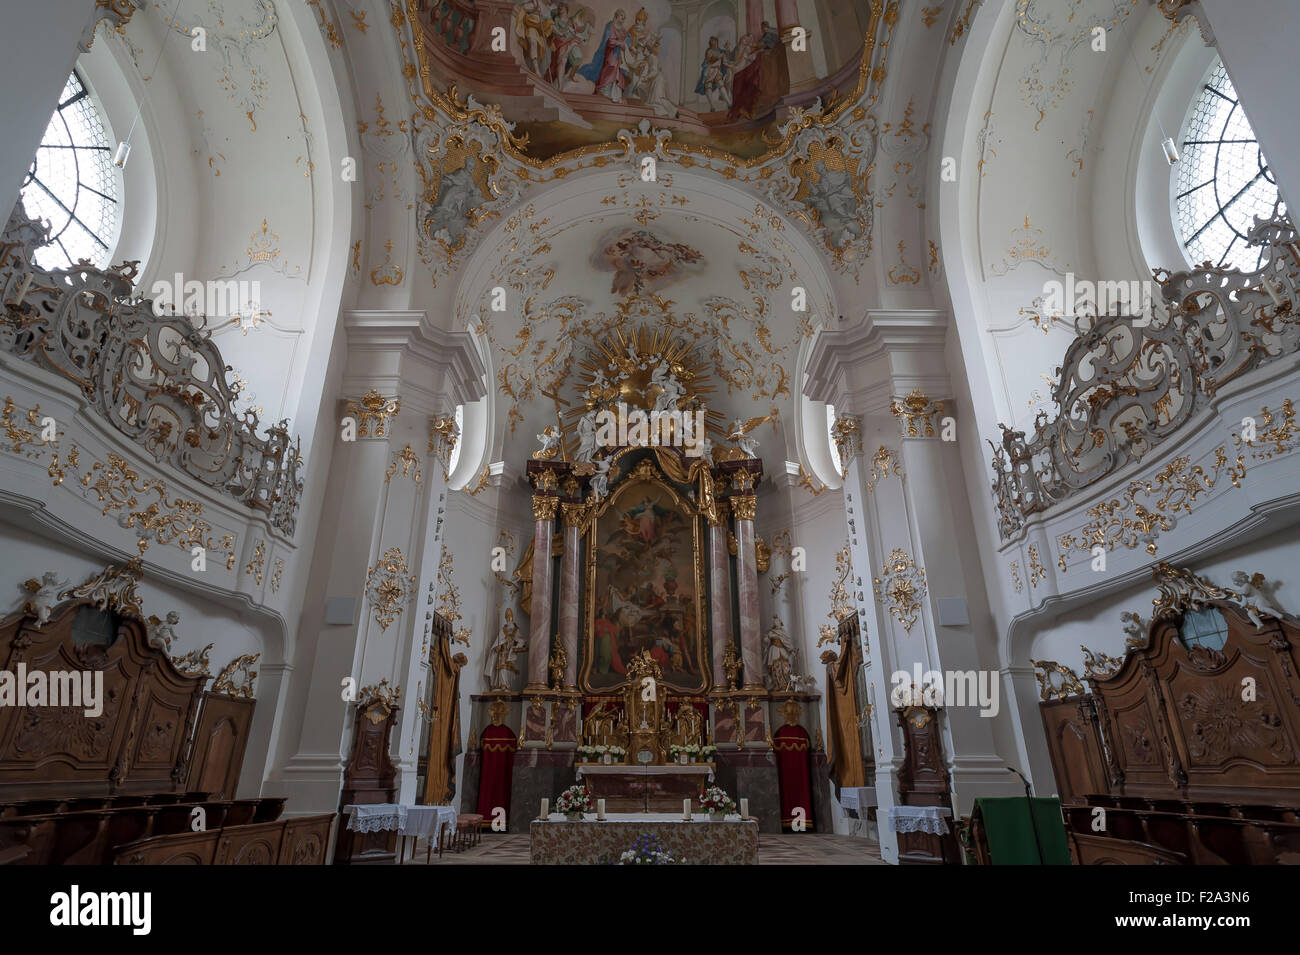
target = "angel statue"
x: 1135, y: 629
x: 45, y: 595
x: 1257, y: 596
x: 586, y: 437
x: 550, y: 439
x: 599, y: 482
x: 670, y: 390
x: 163, y: 632
x: 739, y: 433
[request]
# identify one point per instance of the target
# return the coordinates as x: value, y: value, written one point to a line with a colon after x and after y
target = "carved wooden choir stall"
x: 123, y: 775
x: 1188, y: 748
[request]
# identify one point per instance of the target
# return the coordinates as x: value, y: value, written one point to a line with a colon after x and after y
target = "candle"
x: 686, y: 808
x: 22, y: 289
x: 546, y: 808
x: 1272, y: 293
x: 600, y: 809
x: 744, y: 808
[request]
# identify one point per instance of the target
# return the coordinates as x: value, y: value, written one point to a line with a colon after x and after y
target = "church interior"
x: 577, y: 432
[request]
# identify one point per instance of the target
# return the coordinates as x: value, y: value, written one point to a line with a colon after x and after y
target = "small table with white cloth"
x: 406, y: 820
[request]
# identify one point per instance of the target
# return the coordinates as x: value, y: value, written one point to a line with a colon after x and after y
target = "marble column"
x: 753, y: 17
x: 744, y: 507
x: 719, y: 594
x: 539, y: 629
x: 570, y: 609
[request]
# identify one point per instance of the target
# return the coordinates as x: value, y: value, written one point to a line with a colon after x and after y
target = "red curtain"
x: 499, y: 745
x: 794, y: 773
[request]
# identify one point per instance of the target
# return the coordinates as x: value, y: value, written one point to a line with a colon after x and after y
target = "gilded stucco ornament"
x: 236, y: 678
x: 1056, y: 681
x: 901, y: 589
x: 113, y: 588
x: 389, y: 587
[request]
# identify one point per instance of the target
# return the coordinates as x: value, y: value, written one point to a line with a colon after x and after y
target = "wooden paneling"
x: 220, y: 740
x: 299, y: 841
x: 1074, y: 742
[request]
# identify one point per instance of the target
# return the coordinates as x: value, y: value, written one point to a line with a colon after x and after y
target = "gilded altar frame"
x: 647, y: 471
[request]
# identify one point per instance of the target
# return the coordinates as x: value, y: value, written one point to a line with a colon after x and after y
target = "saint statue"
x: 504, y: 652
x: 778, y: 658
x: 731, y: 665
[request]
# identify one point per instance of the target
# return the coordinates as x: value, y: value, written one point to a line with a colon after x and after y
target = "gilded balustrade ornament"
x: 372, y: 412
x: 918, y: 416
x: 159, y: 380
x: 389, y: 587
x: 1124, y: 521
x: 1126, y: 387
x: 902, y: 588
x: 116, y: 13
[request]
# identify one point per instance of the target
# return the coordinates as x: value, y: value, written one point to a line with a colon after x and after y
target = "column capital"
x: 744, y: 506
x: 859, y: 368
x: 544, y: 507
x: 400, y: 351
x: 373, y: 412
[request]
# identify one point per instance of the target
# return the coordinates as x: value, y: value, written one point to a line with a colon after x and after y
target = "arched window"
x: 1222, y: 181
x: 73, y: 183
x: 830, y: 433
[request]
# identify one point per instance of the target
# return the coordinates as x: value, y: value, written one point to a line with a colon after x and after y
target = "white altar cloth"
x: 920, y: 819
x: 696, y: 816
x: 624, y: 769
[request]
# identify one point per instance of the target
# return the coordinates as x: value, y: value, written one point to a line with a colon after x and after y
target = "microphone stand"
x: 1033, y: 823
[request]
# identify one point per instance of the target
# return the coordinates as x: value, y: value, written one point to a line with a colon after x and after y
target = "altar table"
x: 733, y: 841
x: 629, y: 788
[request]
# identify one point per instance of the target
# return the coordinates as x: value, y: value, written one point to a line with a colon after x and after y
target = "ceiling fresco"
x: 716, y: 73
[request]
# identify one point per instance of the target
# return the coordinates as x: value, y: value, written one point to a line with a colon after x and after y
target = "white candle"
x: 1272, y: 293
x: 686, y: 808
x: 22, y: 289
x: 546, y: 808
x: 600, y: 809
x: 744, y: 808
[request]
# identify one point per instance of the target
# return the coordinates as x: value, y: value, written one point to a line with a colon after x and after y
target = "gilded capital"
x: 544, y: 507
x: 372, y: 412
x: 744, y: 506
x: 918, y: 416
x: 846, y: 432
x: 574, y: 513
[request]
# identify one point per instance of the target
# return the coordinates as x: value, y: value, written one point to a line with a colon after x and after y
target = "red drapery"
x: 499, y: 745
x: 793, y: 772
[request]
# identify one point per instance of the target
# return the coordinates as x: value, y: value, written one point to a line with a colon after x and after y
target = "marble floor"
x: 785, y: 849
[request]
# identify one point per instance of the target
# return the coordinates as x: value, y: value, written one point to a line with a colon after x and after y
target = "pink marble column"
x: 539, y: 630
x: 751, y: 655
x: 787, y: 14
x: 569, y: 607
x: 719, y: 595
x: 753, y: 16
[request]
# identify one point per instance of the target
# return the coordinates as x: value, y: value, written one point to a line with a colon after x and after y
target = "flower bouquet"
x: 617, y: 753
x: 707, y: 752
x: 587, y: 753
x: 574, y: 801
x: 717, y: 802
x: 648, y: 850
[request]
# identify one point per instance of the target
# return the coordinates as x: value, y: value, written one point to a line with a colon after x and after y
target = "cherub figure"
x: 45, y: 596
x: 550, y: 441
x: 163, y: 632
x: 1257, y: 597
x: 739, y: 433
x: 599, y: 482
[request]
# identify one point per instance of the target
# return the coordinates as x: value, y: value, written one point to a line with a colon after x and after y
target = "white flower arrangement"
x: 575, y: 799
x: 708, y: 751
x: 617, y: 751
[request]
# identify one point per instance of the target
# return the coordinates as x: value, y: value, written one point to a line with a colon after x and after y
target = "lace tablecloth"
x: 375, y: 817
x: 858, y: 797
x: 929, y: 819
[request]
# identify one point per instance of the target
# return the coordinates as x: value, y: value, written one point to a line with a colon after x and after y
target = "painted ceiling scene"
x: 716, y: 72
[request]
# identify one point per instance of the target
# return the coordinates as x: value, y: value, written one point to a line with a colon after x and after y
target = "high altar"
x: 645, y: 673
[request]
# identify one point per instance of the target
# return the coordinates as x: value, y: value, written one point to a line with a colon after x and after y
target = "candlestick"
x: 744, y: 808
x: 686, y: 809
x: 546, y: 808
x: 600, y: 809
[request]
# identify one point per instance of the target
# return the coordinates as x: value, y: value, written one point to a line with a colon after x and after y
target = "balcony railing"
x: 158, y: 379
x: 1128, y: 384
